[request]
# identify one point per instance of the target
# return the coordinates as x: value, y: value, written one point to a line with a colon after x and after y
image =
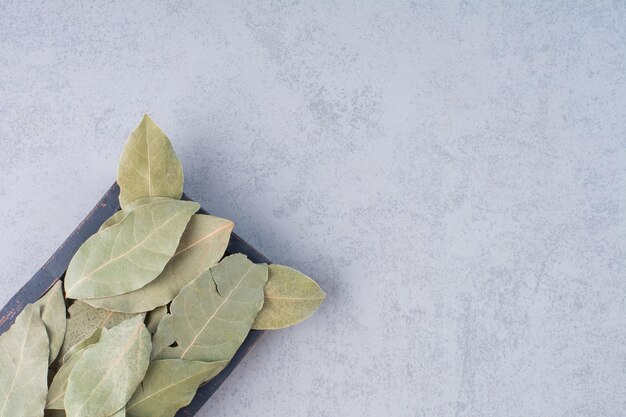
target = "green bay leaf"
x: 290, y: 298
x: 170, y: 385
x: 129, y: 254
x: 107, y: 373
x: 154, y: 317
x: 163, y: 337
x: 120, y: 215
x: 56, y: 392
x: 85, y: 320
x: 148, y: 166
x: 88, y: 341
x: 117, y: 217
x: 24, y: 366
x: 201, y: 246
x: 212, y: 315
x: 52, y: 309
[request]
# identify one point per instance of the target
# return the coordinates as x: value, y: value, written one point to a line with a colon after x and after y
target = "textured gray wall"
x: 453, y: 174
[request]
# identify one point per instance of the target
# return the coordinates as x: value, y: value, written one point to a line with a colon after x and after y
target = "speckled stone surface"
x: 452, y: 173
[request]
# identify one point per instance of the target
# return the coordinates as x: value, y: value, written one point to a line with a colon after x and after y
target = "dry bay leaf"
x: 129, y: 254
x: 212, y: 315
x: 153, y: 318
x: 88, y: 341
x: 290, y: 298
x: 24, y: 366
x: 120, y: 215
x: 163, y: 337
x: 148, y: 166
x: 117, y: 217
x: 169, y: 385
x: 107, y: 373
x: 56, y: 392
x: 52, y: 309
x: 84, y: 320
x: 201, y: 246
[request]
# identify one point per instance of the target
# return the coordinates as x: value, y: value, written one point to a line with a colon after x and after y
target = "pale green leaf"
x: 84, y: 320
x: 107, y: 373
x: 212, y: 315
x: 148, y: 166
x: 201, y: 246
x: 120, y: 215
x: 170, y: 385
x: 290, y: 297
x: 131, y: 253
x: 117, y: 217
x: 88, y: 341
x: 163, y: 337
x: 120, y: 413
x: 153, y: 318
x: 24, y: 366
x: 56, y: 392
x: 52, y: 309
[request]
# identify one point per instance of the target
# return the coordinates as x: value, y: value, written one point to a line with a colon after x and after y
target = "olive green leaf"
x: 153, y: 318
x: 170, y: 385
x: 131, y: 253
x: 56, y: 392
x: 212, y: 315
x: 117, y: 217
x: 24, y: 366
x: 148, y: 166
x: 52, y: 311
x: 163, y: 337
x: 88, y: 341
x: 120, y: 215
x: 290, y: 297
x: 54, y: 413
x: 201, y: 246
x: 120, y: 413
x: 107, y: 373
x: 84, y: 320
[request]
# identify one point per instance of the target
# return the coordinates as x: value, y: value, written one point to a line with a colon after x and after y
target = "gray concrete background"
x: 452, y: 173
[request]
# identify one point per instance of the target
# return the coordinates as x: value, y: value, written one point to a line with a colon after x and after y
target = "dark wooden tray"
x: 55, y: 268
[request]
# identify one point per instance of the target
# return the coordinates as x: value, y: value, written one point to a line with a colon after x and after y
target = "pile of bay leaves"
x: 154, y: 310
